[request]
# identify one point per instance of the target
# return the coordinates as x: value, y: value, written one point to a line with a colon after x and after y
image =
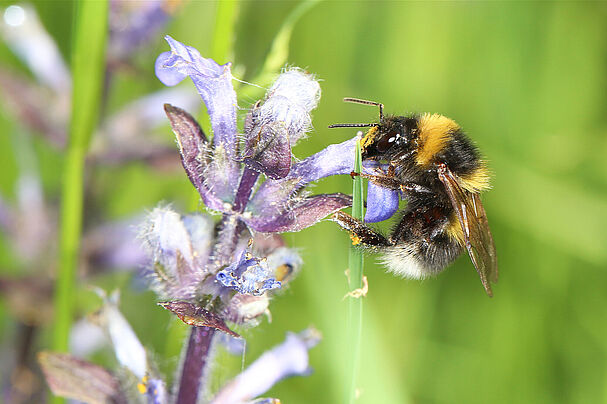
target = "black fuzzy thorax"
x: 423, y: 222
x: 460, y: 154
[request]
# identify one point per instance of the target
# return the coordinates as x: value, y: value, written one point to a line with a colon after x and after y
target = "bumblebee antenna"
x: 367, y: 102
x: 353, y: 125
x: 361, y: 125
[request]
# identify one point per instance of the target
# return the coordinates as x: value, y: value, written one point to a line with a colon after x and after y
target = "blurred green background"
x: 528, y: 83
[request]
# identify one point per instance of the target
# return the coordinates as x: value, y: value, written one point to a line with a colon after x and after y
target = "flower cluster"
x: 216, y: 274
x: 251, y: 179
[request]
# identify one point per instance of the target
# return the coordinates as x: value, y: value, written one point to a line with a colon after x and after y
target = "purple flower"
x: 226, y: 177
x: 211, y: 273
x: 213, y: 82
x: 185, y: 268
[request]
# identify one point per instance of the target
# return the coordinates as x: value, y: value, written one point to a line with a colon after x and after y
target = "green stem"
x: 355, y: 304
x: 278, y: 55
x: 223, y: 32
x: 88, y: 69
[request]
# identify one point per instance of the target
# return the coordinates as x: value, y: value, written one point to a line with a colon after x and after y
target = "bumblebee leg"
x: 385, y: 181
x: 391, y: 182
x: 360, y: 232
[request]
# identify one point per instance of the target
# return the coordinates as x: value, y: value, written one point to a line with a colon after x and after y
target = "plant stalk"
x: 355, y: 281
x: 194, y: 364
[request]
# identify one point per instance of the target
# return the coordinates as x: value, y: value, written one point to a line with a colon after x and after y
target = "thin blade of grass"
x: 355, y: 304
x: 88, y: 68
x: 278, y: 55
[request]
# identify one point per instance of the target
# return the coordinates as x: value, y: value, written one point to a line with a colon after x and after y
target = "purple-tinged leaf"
x: 70, y: 377
x: 197, y: 316
x: 196, y: 152
x: 213, y: 82
x: 302, y: 214
x: 382, y: 203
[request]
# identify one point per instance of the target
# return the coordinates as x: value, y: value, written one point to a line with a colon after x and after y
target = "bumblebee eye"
x: 387, y: 141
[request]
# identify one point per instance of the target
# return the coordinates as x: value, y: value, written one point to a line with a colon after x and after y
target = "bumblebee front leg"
x: 360, y: 232
x: 385, y: 181
x: 391, y: 182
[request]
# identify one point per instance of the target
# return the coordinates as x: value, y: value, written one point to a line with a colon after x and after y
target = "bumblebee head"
x: 392, y: 137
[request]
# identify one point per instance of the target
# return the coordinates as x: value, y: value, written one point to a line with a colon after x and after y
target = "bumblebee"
x: 438, y: 170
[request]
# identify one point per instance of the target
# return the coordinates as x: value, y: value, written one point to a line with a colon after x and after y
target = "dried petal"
x: 248, y: 275
x: 304, y: 213
x: 197, y: 316
x: 382, y: 203
x: 213, y: 82
x: 68, y: 376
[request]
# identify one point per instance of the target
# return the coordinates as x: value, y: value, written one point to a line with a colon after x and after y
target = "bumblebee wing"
x: 473, y: 220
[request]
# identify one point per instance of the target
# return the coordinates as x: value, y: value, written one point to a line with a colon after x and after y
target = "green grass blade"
x: 278, y: 55
x: 223, y: 32
x: 88, y: 69
x: 355, y: 304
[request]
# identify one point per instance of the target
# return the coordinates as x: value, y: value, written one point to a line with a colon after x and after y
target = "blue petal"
x: 213, y: 82
x: 248, y: 275
x: 168, y: 77
x: 335, y: 159
x: 382, y: 203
